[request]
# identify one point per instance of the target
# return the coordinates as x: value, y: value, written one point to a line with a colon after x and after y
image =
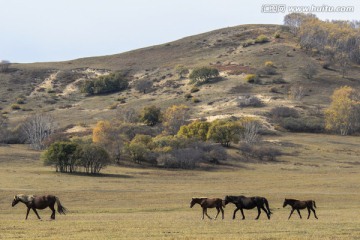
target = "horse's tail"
x: 267, y: 206
x: 61, y: 209
x: 314, y: 203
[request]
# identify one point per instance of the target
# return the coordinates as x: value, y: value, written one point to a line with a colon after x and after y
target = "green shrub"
x: 15, y: 106
x: 306, y: 124
x: 150, y: 115
x: 261, y: 39
x: 196, y: 100
x: 269, y: 64
x: 20, y: 100
x: 203, y: 74
x: 277, y: 35
x: 188, y: 96
x: 252, y: 78
x: 283, y: 112
x: 111, y: 83
x: 248, y: 43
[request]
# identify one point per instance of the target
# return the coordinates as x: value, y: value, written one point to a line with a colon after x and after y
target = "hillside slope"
x: 53, y: 87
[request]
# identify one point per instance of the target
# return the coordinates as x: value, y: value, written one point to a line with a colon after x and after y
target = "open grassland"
x: 128, y: 203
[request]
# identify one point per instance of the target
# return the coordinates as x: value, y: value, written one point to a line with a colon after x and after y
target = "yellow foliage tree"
x: 174, y: 117
x: 99, y: 132
x: 343, y: 114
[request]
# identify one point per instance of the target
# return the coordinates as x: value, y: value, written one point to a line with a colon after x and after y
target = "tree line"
x: 337, y: 41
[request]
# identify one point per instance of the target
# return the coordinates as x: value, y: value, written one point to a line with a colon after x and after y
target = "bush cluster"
x: 203, y: 74
x: 173, y: 151
x: 260, y: 152
x: 111, y: 83
x: 72, y: 157
x: 250, y: 101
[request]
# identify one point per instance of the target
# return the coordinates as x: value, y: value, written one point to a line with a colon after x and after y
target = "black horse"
x: 39, y: 202
x: 242, y: 202
x: 297, y: 205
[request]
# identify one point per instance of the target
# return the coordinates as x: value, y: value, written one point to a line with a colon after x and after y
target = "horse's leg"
x: 51, y: 206
x: 267, y: 214
x: 314, y: 213
x: 36, y: 213
x: 222, y: 212
x: 203, y: 213
x: 291, y: 212
x: 207, y: 213
x: 299, y: 213
x: 237, y: 209
x: 27, y: 213
x: 218, y: 211
x: 259, y: 212
x: 242, y: 213
x: 308, y: 213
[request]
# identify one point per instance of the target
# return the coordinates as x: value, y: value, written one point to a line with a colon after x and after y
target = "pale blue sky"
x: 57, y: 30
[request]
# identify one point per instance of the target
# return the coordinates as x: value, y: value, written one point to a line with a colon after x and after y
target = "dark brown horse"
x: 206, y: 203
x: 242, y: 202
x: 297, y: 205
x: 39, y: 202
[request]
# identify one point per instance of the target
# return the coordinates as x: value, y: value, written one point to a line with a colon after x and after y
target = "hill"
x: 54, y: 87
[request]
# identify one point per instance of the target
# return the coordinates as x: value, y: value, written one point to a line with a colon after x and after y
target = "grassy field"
x: 128, y: 203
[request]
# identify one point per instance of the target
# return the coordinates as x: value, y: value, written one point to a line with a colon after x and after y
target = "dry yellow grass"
x: 129, y: 203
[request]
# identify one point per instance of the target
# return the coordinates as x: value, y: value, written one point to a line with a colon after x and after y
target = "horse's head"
x: 285, y: 203
x: 193, y: 202
x: 227, y: 200
x: 15, y: 201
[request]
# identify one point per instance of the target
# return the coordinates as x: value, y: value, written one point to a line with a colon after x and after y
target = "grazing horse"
x: 39, y: 202
x: 242, y: 202
x: 297, y: 205
x: 206, y: 203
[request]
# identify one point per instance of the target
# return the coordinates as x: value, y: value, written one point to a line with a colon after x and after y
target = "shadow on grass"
x: 98, y: 175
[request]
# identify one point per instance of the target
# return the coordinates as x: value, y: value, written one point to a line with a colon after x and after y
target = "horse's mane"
x: 291, y: 200
x: 25, y: 198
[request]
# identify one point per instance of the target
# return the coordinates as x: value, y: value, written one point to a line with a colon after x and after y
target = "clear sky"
x: 57, y: 30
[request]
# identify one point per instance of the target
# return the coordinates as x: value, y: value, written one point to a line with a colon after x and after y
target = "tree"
x: 128, y: 115
x: 196, y: 129
x: 3, y: 128
x: 37, y: 128
x: 174, y: 117
x: 297, y: 92
x: 344, y: 63
x: 225, y: 132
x: 111, y: 137
x: 93, y: 158
x: 61, y: 155
x: 202, y: 74
x: 251, y: 127
x: 138, y: 151
x: 150, y: 115
x: 143, y: 85
x: 295, y: 20
x: 100, y: 130
x: 343, y: 114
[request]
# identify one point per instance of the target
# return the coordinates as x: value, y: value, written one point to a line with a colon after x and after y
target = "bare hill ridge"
x: 53, y: 87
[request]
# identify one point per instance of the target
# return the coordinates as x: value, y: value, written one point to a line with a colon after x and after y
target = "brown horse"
x: 242, y: 202
x: 297, y: 205
x: 39, y: 202
x: 206, y: 203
